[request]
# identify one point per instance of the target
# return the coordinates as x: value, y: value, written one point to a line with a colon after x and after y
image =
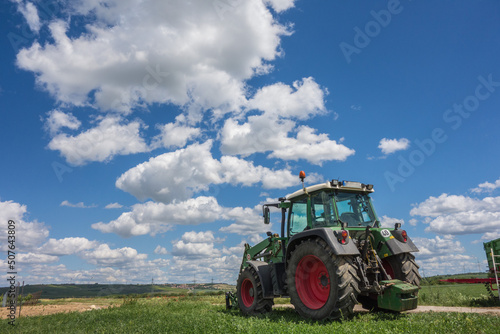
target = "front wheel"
x: 250, y: 294
x: 321, y: 284
x: 402, y: 267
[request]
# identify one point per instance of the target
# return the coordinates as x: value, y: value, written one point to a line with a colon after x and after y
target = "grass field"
x: 473, y: 295
x: 208, y: 315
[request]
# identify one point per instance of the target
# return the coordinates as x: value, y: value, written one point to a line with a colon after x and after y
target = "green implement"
x: 492, y: 250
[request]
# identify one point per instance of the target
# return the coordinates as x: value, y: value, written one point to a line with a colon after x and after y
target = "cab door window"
x: 322, y: 210
x: 298, y: 217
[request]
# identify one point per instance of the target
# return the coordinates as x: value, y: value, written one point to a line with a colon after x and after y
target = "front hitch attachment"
x: 397, y: 296
x: 231, y: 300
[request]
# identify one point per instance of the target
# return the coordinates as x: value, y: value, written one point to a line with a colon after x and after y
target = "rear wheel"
x: 402, y: 267
x: 250, y: 294
x: 321, y: 285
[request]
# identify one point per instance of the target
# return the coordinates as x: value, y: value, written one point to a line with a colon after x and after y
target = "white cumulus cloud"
x: 191, y: 249
x: 30, y: 13
x: 30, y: 258
x: 199, y: 237
x: 436, y: 247
x: 29, y: 235
x: 77, y: 205
x: 66, y: 246
x: 263, y: 134
x: 160, y: 250
x: 101, y: 143
x: 152, y: 218
x: 135, y: 52
x: 389, y: 146
x: 275, y: 130
x: 390, y: 222
x: 113, y: 206
x: 281, y: 5
x: 301, y: 101
x: 486, y: 187
x: 103, y: 255
x: 247, y: 221
x: 457, y: 214
x: 174, y: 135
x: 56, y: 120
x: 315, y: 148
x: 178, y: 175
x: 442, y: 255
x: 491, y: 235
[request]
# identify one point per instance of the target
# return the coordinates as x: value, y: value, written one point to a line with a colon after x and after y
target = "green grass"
x: 208, y: 315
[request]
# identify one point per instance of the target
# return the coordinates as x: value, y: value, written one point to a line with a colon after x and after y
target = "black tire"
x: 322, y: 285
x: 250, y: 294
x: 403, y: 267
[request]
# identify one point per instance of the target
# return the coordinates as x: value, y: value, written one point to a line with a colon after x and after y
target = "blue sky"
x: 140, y: 138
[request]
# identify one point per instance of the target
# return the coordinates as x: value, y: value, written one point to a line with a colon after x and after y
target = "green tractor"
x: 332, y: 254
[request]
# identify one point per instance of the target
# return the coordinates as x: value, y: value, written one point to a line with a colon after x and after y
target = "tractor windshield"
x: 355, y: 209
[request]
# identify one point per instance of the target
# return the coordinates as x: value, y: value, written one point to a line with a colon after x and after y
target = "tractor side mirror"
x: 267, y: 215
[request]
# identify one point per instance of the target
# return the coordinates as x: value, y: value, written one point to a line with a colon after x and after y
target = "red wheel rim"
x: 388, y: 268
x: 312, y: 282
x: 247, y: 292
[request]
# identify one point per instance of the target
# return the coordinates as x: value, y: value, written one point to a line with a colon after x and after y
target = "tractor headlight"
x: 351, y: 184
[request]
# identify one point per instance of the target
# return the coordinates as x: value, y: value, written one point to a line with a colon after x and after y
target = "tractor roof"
x: 347, y: 186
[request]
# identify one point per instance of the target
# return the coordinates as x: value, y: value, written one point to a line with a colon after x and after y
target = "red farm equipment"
x: 492, y: 250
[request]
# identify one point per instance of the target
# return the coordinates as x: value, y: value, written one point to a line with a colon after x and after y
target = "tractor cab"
x: 332, y: 204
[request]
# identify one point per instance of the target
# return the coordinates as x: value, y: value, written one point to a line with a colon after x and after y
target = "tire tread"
x: 347, y: 284
x: 262, y: 305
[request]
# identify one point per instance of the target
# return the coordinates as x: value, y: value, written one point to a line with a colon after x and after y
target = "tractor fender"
x: 327, y: 235
x: 263, y: 269
x: 398, y: 247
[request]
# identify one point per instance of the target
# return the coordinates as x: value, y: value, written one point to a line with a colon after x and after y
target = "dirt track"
x: 420, y: 309
x: 487, y: 310
x: 30, y: 311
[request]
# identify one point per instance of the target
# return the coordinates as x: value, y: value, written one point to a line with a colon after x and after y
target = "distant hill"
x: 55, y: 291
